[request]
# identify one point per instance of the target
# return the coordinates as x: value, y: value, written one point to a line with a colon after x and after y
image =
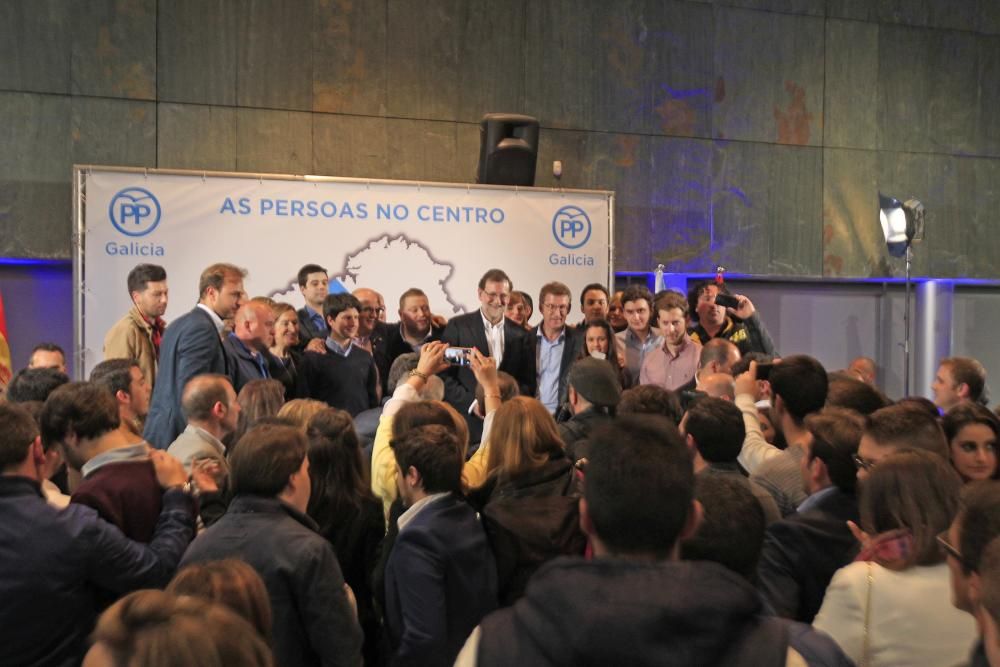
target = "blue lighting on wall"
x: 30, y: 261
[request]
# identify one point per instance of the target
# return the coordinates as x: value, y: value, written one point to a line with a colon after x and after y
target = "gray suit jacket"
x: 193, y: 444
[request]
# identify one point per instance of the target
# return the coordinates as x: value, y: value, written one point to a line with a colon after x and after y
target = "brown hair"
x: 524, y: 436
x: 266, y: 457
x: 967, y: 371
x: 158, y: 629
x: 913, y: 490
x: 423, y: 413
x: 989, y: 572
x: 508, y: 389
x: 907, y: 427
x: 215, y: 275
x: 229, y: 582
x: 413, y: 291
x: 554, y: 288
x: 671, y: 299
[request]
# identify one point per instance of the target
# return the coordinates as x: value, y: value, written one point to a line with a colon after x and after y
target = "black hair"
x: 801, y: 383
x: 639, y: 486
x: 142, y: 274
x: 732, y: 527
x: 979, y: 521
x: 17, y: 431
x: 845, y: 391
x: 495, y: 276
x: 436, y: 454
x: 594, y: 286
x: 115, y: 375
x: 335, y: 304
x: 304, y: 272
x: 717, y: 428
x: 836, y: 433
x: 336, y: 470
x: 651, y: 399
x: 83, y: 408
x: 35, y: 384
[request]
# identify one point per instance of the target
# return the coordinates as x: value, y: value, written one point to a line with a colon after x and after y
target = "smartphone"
x: 727, y: 301
x: 764, y: 370
x: 457, y: 356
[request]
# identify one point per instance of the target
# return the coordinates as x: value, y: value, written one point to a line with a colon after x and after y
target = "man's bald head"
x: 372, y: 310
x: 718, y: 355
x: 719, y: 385
x: 202, y: 393
x: 254, y: 325
x: 864, y: 369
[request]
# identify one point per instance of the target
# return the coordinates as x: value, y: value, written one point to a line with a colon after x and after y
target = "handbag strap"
x: 866, y: 646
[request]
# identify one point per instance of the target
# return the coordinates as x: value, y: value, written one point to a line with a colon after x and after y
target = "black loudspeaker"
x: 508, y: 149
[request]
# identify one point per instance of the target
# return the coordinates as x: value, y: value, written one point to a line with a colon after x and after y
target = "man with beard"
x: 674, y: 363
x: 138, y: 334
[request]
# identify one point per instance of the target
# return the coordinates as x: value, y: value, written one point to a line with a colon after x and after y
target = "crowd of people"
x: 649, y: 485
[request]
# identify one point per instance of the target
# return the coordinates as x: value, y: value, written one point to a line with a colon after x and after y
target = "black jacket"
x: 801, y: 553
x: 53, y: 564
x: 313, y: 622
x: 530, y: 519
x: 614, y: 611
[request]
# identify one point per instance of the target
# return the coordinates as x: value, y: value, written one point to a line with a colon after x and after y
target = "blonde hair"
x: 524, y: 436
x: 301, y: 411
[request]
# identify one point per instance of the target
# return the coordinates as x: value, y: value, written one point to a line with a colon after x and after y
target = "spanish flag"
x: 6, y: 368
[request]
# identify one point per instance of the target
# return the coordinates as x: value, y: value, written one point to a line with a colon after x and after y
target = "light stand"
x: 902, y: 226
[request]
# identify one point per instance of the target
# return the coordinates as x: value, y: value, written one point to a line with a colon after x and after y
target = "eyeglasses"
x: 949, y: 550
x: 369, y: 309
x: 862, y: 464
x: 555, y: 308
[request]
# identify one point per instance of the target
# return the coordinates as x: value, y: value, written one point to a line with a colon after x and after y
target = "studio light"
x: 902, y: 226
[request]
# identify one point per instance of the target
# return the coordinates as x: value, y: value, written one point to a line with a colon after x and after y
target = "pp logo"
x: 134, y: 211
x: 571, y: 227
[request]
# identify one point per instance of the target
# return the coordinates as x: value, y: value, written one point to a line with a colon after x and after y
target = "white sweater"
x: 912, y: 621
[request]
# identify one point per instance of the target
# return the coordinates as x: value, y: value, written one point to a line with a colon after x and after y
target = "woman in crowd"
x: 892, y: 606
x: 348, y: 514
x: 518, y: 309
x: 154, y: 628
x: 972, y: 432
x: 233, y: 584
x: 284, y: 355
x: 616, y: 314
x: 599, y: 341
x: 300, y: 411
x: 257, y: 399
x: 530, y: 497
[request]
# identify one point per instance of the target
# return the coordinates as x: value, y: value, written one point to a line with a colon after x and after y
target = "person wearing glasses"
x: 556, y: 345
x: 494, y: 335
x: 964, y: 544
x: 894, y: 428
x: 891, y: 606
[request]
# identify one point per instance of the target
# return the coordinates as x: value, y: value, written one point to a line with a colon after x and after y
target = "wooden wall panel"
x: 422, y: 150
x: 852, y: 238
x: 979, y: 15
x: 274, y: 54
x: 850, y: 98
x: 114, y: 48
x: 350, y: 146
x: 770, y: 69
x: 349, y: 57
x: 423, y: 53
x: 35, y: 46
x: 196, y: 51
x: 193, y: 136
x: 277, y: 142
x: 810, y: 7
x: 491, y: 58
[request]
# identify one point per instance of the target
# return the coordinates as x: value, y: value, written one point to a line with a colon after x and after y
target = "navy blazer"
x: 518, y: 357
x: 571, y: 350
x: 242, y: 366
x: 308, y: 330
x: 801, y: 553
x: 440, y: 581
x: 191, y: 346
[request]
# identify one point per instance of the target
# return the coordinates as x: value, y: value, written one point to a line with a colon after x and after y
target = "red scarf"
x: 157, y: 336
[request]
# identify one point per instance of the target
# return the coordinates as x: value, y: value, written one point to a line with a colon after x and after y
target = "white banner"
x: 385, y: 235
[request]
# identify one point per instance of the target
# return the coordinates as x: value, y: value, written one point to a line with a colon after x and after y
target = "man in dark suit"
x: 192, y: 345
x: 314, y: 283
x: 416, y: 326
x: 247, y: 356
x: 802, y: 551
x: 441, y: 578
x: 494, y: 336
x: 554, y: 345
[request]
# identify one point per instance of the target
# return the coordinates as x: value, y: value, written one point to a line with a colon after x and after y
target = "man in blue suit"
x: 192, y: 345
x: 441, y: 578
